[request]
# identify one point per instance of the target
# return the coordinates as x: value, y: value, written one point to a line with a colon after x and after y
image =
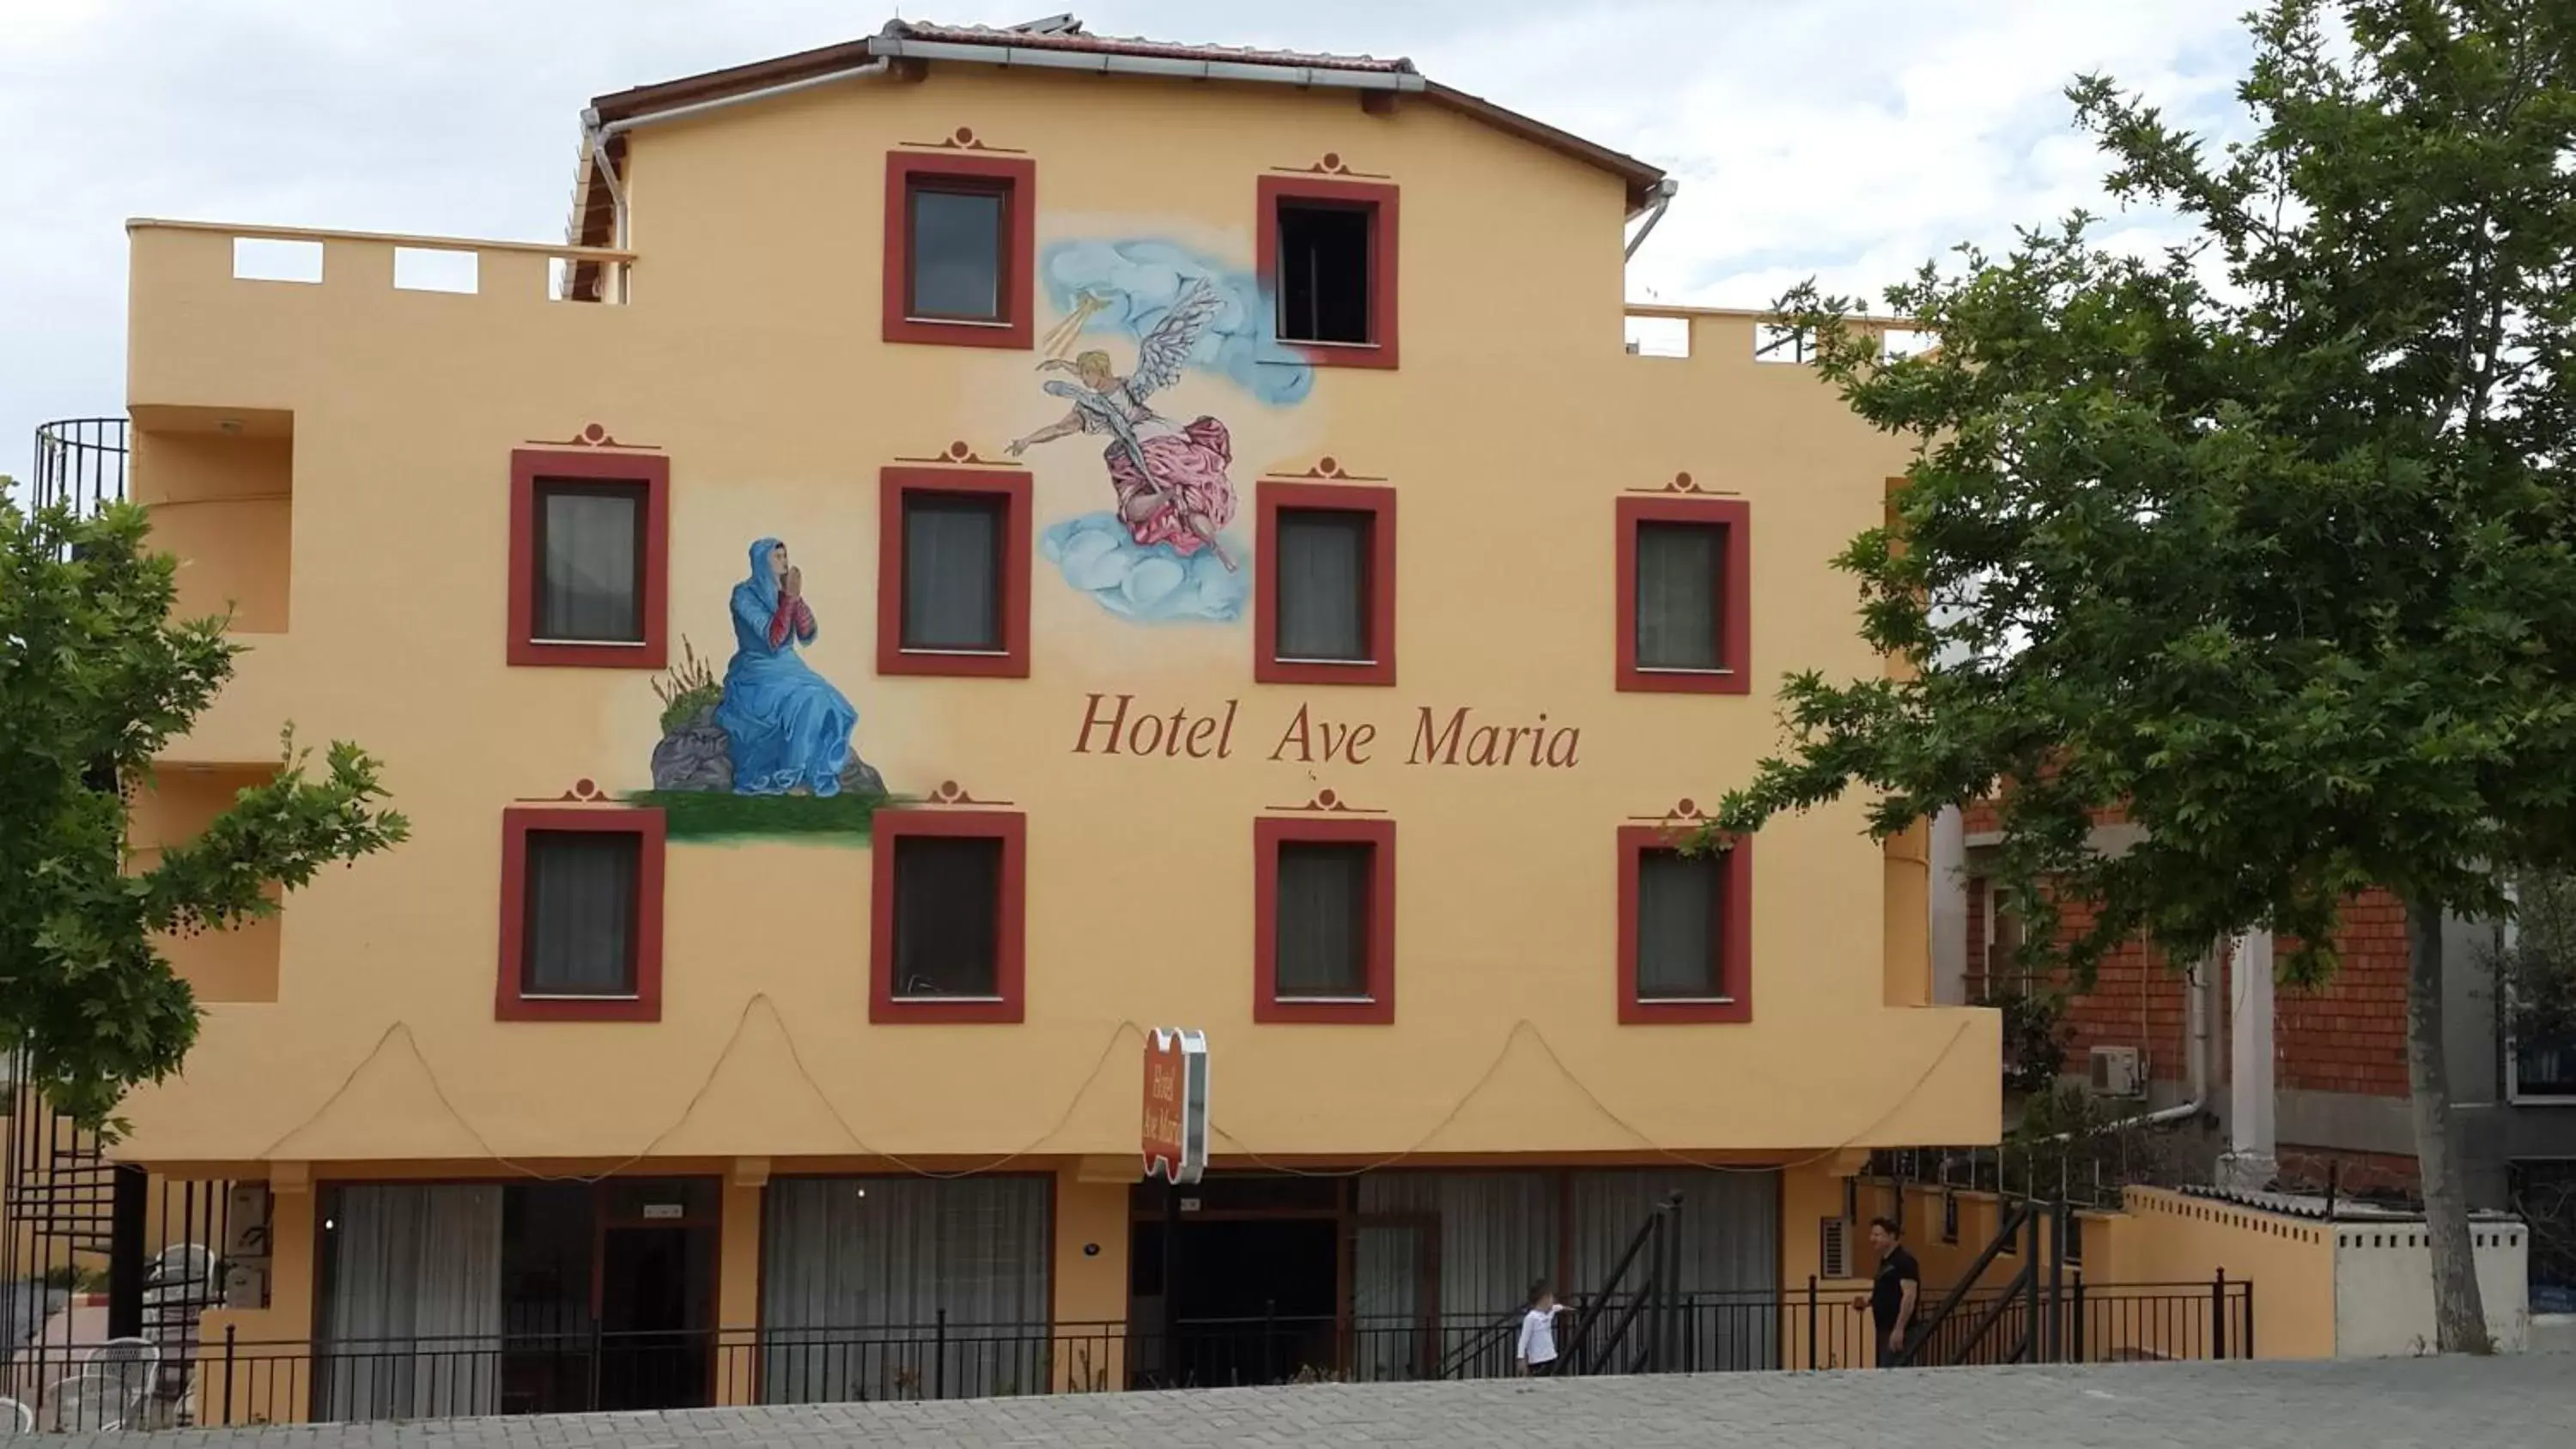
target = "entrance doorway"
x: 1237, y: 1280
x: 1255, y: 1298
x: 656, y: 1295
x: 608, y: 1294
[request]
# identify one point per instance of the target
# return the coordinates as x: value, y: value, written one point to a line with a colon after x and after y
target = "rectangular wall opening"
x: 173, y: 808
x: 220, y: 486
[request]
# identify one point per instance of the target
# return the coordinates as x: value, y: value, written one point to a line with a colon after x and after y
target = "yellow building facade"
x: 988, y: 544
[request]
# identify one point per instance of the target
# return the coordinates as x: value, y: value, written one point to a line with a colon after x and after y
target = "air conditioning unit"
x: 2118, y: 1071
x: 1833, y: 1248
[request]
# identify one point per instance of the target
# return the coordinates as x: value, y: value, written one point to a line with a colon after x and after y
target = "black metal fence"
x: 80, y: 463
x: 229, y: 1380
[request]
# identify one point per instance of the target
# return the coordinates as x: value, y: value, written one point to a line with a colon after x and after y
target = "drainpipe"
x: 2249, y: 1164
x: 1946, y: 901
x: 2200, y: 997
x: 1664, y: 190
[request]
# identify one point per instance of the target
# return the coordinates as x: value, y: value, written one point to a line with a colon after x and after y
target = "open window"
x: 1324, y: 585
x: 589, y: 559
x: 945, y: 936
x: 1327, y: 256
x: 960, y: 249
x: 1685, y: 595
x: 581, y: 915
x: 1685, y: 930
x: 953, y: 572
x: 1324, y: 920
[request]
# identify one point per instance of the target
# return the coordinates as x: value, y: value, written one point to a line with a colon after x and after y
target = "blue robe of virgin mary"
x: 785, y: 724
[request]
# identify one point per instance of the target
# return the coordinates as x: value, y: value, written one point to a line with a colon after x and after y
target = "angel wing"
x: 1166, y: 349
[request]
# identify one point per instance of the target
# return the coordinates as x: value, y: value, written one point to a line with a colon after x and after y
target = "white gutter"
x: 1664, y: 190
x: 1106, y: 63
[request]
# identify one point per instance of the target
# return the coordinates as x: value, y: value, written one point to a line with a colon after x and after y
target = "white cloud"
x: 1847, y: 138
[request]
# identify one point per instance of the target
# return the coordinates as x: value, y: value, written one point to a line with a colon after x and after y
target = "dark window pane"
x: 590, y: 562
x: 1677, y: 594
x: 947, y: 900
x: 581, y: 913
x: 957, y: 254
x: 1324, y: 281
x: 1323, y: 919
x: 1677, y: 924
x: 1323, y: 584
x: 952, y: 571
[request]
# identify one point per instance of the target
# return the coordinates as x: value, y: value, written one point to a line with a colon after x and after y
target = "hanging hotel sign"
x: 1176, y: 1105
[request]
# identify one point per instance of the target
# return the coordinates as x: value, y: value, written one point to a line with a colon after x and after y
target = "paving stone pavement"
x: 2502, y: 1403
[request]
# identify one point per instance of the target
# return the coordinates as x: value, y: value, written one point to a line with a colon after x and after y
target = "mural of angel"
x: 1170, y: 478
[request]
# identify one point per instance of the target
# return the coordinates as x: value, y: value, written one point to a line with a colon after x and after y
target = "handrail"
x: 391, y: 238
x: 2010, y: 1297
x: 2011, y: 1226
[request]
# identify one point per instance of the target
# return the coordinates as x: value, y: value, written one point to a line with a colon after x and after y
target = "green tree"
x: 94, y: 681
x: 2266, y: 540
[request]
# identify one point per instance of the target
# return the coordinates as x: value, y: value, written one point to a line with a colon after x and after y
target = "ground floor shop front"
x: 435, y: 1292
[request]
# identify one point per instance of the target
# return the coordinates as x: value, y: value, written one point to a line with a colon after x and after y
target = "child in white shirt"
x: 1538, y: 1332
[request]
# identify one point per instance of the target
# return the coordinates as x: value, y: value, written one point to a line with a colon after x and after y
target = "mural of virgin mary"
x: 786, y: 727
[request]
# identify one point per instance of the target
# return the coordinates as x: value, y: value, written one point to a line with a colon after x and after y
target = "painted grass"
x: 723, y: 815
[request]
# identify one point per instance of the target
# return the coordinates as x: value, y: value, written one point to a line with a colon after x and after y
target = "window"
x: 945, y: 939
x: 1327, y: 254
x: 1323, y: 920
x: 1684, y: 595
x: 960, y: 241
x: 1324, y: 601
x: 581, y: 915
x: 953, y: 572
x: 589, y: 558
x: 1685, y: 930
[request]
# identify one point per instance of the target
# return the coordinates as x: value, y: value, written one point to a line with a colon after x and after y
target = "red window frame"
x: 1016, y: 178
x: 1380, y: 200
x: 1270, y: 499
x: 1269, y: 832
x: 1011, y: 661
x: 1010, y: 936
x: 1735, y: 599
x: 1735, y: 947
x: 528, y: 467
x: 510, y: 1003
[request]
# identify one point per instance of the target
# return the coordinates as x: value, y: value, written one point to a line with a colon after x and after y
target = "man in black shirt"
x: 1896, y: 1292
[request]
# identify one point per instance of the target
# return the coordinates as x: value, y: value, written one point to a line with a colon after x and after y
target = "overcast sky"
x: 1849, y: 139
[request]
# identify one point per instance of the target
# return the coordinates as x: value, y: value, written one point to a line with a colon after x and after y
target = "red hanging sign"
x: 1176, y: 1105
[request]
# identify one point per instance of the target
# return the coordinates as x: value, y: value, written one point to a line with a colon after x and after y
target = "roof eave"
x: 1640, y: 179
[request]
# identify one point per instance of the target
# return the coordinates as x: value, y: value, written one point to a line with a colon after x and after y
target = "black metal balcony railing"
x: 80, y: 463
x: 229, y: 1380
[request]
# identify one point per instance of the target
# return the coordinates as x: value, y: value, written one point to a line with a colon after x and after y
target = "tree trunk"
x: 2459, y: 1315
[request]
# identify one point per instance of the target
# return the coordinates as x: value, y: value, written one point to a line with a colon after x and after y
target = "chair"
x: 15, y: 1419
x: 113, y: 1385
